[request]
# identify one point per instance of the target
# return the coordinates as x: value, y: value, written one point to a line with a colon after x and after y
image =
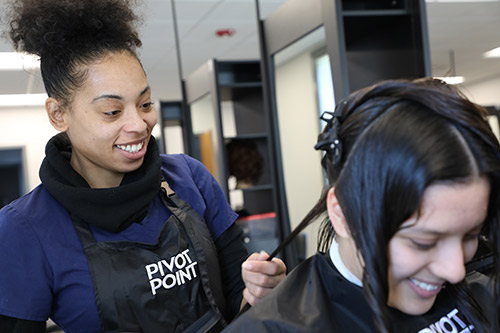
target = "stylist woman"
x: 117, y: 237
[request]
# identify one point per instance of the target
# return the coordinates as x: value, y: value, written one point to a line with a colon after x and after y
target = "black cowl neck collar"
x: 112, y: 209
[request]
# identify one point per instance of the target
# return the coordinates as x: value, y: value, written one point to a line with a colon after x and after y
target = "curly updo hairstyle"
x: 69, y: 34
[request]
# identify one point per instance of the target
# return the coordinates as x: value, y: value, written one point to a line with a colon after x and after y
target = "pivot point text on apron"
x: 175, y: 272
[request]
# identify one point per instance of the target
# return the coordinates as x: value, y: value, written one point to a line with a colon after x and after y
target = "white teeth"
x: 425, y: 286
x: 131, y: 148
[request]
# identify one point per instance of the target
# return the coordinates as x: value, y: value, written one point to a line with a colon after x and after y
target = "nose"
x: 450, y: 263
x: 134, y: 121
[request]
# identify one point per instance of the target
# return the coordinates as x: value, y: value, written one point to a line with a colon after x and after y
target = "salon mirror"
x: 203, y: 124
x: 303, y: 90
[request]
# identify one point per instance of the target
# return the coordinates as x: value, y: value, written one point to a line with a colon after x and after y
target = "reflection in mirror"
x: 170, y: 127
x: 303, y: 90
x: 326, y: 100
x: 205, y: 147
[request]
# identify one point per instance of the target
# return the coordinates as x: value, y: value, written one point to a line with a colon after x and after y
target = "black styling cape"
x: 315, y: 297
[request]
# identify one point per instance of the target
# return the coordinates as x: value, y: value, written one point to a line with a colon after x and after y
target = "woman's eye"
x: 147, y: 106
x: 470, y: 237
x: 422, y: 245
x: 112, y: 113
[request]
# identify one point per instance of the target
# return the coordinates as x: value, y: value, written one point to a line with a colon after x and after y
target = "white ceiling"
x: 467, y: 28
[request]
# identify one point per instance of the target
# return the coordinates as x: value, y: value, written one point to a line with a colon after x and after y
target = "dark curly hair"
x: 67, y: 34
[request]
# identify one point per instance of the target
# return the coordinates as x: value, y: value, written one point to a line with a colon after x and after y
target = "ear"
x: 336, y: 215
x: 56, y: 114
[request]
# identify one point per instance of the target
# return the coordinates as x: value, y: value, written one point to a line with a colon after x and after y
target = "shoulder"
x: 183, y: 174
x: 35, y: 223
x: 194, y: 184
x: 482, y: 288
x: 314, y: 297
x: 479, y: 280
x: 31, y: 220
x: 37, y: 205
x: 181, y: 163
x: 292, y: 306
x: 282, y: 310
x: 312, y: 271
x: 181, y: 170
x: 24, y: 227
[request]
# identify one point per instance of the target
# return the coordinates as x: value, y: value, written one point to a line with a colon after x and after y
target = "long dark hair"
x: 385, y: 145
x: 67, y: 34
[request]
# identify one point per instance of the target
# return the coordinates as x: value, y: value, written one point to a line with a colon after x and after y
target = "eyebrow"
x: 118, y: 97
x: 438, y: 232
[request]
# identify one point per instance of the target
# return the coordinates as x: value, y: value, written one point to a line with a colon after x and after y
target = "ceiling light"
x: 495, y: 53
x: 14, y: 61
x: 22, y: 99
x: 461, y: 1
x: 451, y: 79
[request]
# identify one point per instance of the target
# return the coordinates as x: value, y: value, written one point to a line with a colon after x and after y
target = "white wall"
x: 26, y: 128
x: 299, y: 127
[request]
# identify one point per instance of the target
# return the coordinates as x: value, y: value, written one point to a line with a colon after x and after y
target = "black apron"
x: 171, y: 286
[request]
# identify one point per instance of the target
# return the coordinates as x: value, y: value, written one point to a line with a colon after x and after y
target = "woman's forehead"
x: 451, y: 206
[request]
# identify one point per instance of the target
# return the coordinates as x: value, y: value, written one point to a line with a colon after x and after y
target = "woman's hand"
x: 261, y: 276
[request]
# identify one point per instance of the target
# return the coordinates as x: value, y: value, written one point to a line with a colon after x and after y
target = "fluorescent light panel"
x: 495, y: 53
x: 22, y: 99
x: 452, y: 79
x: 15, y: 61
x: 450, y: 1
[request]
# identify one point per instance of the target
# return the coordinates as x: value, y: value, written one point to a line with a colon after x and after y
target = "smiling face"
x: 432, y: 249
x: 428, y: 250
x: 109, y: 120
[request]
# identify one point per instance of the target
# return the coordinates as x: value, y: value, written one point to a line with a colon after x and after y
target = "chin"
x: 414, y: 308
x: 131, y: 167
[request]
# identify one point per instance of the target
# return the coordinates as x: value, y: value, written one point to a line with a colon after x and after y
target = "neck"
x: 95, y: 176
x: 112, y: 205
x: 350, y: 256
